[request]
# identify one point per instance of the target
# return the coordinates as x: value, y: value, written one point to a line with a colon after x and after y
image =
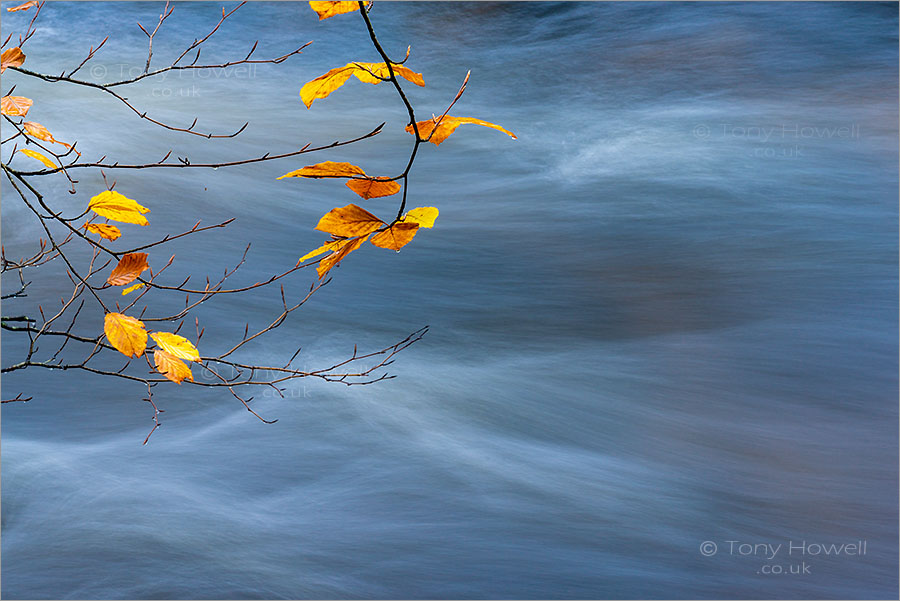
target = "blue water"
x: 665, y: 315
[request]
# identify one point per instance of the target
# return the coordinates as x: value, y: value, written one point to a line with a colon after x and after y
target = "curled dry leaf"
x: 15, y: 106
x: 373, y: 73
x: 117, y: 207
x: 24, y: 6
x: 374, y: 187
x: 40, y: 157
x: 330, y: 9
x: 424, y: 216
x: 326, y: 264
x: 177, y: 346
x: 326, y: 169
x: 331, y: 245
x: 448, y: 125
x: 349, y: 222
x: 11, y: 57
x: 110, y: 232
x: 131, y: 289
x: 397, y: 236
x: 36, y: 130
x: 130, y: 267
x: 171, y: 367
x: 126, y: 334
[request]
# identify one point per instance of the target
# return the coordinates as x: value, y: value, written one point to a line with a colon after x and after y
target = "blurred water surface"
x: 667, y: 314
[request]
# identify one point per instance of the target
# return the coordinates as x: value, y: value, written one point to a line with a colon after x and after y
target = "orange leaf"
x: 117, y: 207
x: 336, y: 257
x: 36, y: 130
x: 177, y: 346
x: 374, y: 187
x: 326, y: 169
x: 325, y: 84
x: 448, y: 125
x: 397, y: 236
x: 110, y: 232
x: 40, y: 157
x: 24, y: 6
x: 15, y: 106
x: 171, y: 367
x: 349, y: 221
x: 424, y: 216
x: 12, y: 57
x: 126, y: 334
x: 130, y: 267
x: 330, y: 9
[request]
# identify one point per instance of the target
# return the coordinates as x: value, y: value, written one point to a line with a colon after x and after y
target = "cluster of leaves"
x: 111, y: 213
x: 352, y: 225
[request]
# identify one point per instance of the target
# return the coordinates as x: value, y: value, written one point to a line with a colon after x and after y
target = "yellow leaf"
x: 326, y: 169
x: 130, y: 267
x: 177, y: 346
x: 126, y: 334
x: 36, y: 155
x: 330, y: 9
x: 371, y: 72
x: 36, y: 130
x: 331, y: 245
x: 349, y: 221
x: 397, y: 236
x: 15, y: 106
x: 325, y: 84
x: 336, y: 257
x: 12, y: 57
x: 110, y: 232
x: 171, y: 367
x: 131, y: 289
x: 117, y: 207
x: 424, y: 216
x: 24, y: 6
x: 448, y: 125
x: 374, y: 187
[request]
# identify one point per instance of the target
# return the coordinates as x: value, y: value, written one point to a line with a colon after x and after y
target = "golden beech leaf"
x: 336, y: 257
x: 36, y: 130
x: 349, y: 222
x: 177, y: 346
x: 15, y: 106
x: 110, y: 232
x: 12, y: 57
x: 172, y: 367
x: 117, y: 207
x: 131, y: 289
x: 374, y: 187
x: 326, y: 169
x: 126, y: 334
x: 40, y: 157
x: 331, y: 245
x: 330, y: 9
x: 397, y: 236
x: 374, y: 73
x: 424, y: 216
x: 325, y: 84
x: 130, y: 267
x: 24, y: 6
x: 448, y: 125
